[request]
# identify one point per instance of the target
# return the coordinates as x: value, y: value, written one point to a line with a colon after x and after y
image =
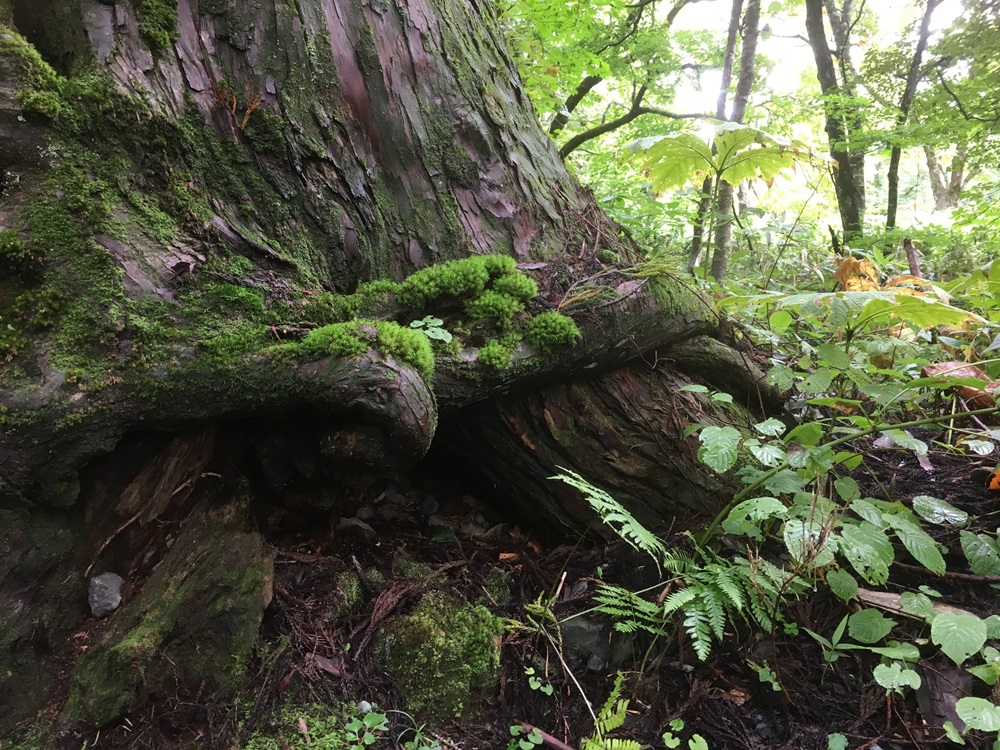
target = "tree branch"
x: 635, y: 111
x: 958, y: 103
x: 562, y: 117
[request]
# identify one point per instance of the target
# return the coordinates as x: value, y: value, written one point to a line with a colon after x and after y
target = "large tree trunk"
x: 208, y: 190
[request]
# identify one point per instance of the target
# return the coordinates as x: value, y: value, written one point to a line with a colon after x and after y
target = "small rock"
x: 364, y: 707
x: 105, y: 593
x: 388, y: 513
x: 356, y: 525
x: 429, y: 506
x: 595, y: 664
x: 396, y: 497
x: 365, y: 513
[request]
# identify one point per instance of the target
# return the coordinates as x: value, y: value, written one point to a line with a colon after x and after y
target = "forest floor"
x: 442, y: 528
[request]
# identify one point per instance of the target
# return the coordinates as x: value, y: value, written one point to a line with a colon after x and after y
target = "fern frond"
x: 678, y: 600
x: 616, y: 744
x: 615, y: 515
x: 697, y: 627
x: 725, y: 580
x: 713, y: 607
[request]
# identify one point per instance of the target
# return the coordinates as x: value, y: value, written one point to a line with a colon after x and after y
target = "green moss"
x: 458, y: 278
x: 495, y: 306
x: 443, y: 655
x: 157, y: 22
x: 495, y: 354
x: 351, y: 595
x: 45, y: 103
x: 608, y: 257
x: 16, y: 258
x: 551, y: 331
x: 518, y: 286
x: 264, y: 131
x: 460, y: 169
x: 354, y: 338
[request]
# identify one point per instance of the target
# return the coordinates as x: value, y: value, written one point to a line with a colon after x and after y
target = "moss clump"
x: 373, y: 299
x: 16, y: 258
x: 458, y: 278
x: 551, y: 331
x: 157, y: 22
x: 496, y: 306
x: 354, y: 338
x: 518, y: 286
x: 441, y: 654
x: 496, y: 353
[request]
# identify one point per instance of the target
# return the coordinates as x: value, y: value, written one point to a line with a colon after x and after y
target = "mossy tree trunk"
x: 219, y: 219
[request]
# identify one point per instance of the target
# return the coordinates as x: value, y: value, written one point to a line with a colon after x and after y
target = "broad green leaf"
x: 674, y: 160
x: 847, y: 488
x: 834, y: 356
x: 780, y: 320
x: 771, y: 427
x: 868, y: 550
x: 725, y: 398
x: 745, y: 518
x: 905, y: 440
x: 781, y: 377
x: 981, y: 551
x: 938, y: 511
x: 979, y: 447
x: 978, y: 713
x: 768, y: 454
x: 917, y: 604
x: 959, y: 634
x: 697, y: 742
x: 818, y: 382
x: 990, y: 671
x: 867, y: 511
x: 835, y: 741
x: 907, y: 652
x: 784, y: 482
x: 719, y: 447
x: 894, y: 677
x: 807, y: 541
x: 992, y: 626
x: 806, y: 434
x: 695, y: 388
x: 917, y: 542
x: 869, y: 626
x: 952, y: 733
x: 842, y: 584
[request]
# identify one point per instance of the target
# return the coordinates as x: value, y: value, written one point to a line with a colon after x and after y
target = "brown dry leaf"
x: 857, y: 275
x: 304, y: 730
x: 954, y: 369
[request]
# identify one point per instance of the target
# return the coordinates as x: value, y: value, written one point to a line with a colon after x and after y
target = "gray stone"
x: 429, y: 506
x: 365, y: 513
x: 356, y: 526
x: 105, y: 593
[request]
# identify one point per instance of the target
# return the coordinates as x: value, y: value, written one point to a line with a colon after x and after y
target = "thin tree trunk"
x: 849, y: 174
x: 726, y: 209
x: 892, y: 202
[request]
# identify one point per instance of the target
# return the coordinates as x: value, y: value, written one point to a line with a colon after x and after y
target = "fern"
x: 611, y: 717
x: 616, y: 516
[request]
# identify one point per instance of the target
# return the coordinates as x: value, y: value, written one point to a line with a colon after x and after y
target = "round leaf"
x: 869, y: 626
x: 959, y: 634
x: 842, y: 584
x: 978, y: 713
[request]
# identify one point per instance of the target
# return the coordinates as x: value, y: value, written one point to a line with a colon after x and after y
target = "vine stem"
x: 739, y: 496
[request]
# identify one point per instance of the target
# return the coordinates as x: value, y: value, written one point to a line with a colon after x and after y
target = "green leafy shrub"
x: 157, y: 22
x: 551, y: 331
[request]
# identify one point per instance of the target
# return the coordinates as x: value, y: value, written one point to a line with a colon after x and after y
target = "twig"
x: 547, y: 738
x: 954, y: 574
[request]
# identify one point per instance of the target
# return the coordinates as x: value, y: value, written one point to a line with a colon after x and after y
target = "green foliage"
x: 611, y: 717
x: 431, y: 327
x: 517, y: 285
x: 441, y: 654
x: 157, y: 22
x: 551, y: 331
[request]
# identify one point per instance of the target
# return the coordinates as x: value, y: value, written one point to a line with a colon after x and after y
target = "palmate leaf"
x: 671, y: 161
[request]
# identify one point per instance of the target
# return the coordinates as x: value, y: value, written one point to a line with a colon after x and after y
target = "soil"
x: 451, y: 529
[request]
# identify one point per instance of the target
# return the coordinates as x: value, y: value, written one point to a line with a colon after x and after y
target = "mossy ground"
x: 444, y: 656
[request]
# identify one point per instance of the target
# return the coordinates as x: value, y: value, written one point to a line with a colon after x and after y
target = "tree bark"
x: 946, y: 194
x: 744, y: 86
x: 177, y: 220
x: 843, y: 120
